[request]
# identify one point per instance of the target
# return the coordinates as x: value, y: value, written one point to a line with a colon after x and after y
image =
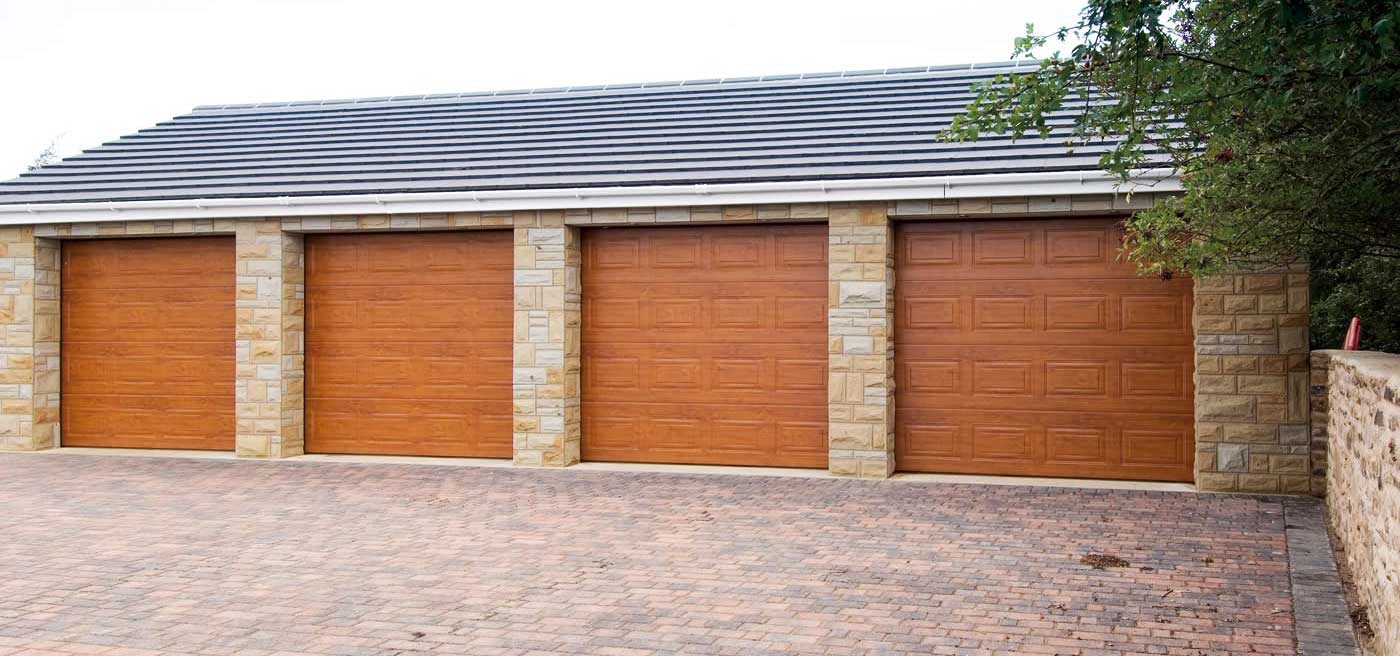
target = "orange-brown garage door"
x: 148, y: 343
x: 408, y: 344
x: 705, y: 345
x: 1032, y: 348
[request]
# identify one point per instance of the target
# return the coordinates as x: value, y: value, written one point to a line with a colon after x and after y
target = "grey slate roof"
x: 867, y: 124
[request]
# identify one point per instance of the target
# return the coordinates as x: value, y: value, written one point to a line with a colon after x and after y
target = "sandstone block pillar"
x: 270, y: 340
x: 1252, y: 383
x: 860, y: 331
x: 28, y: 319
x: 548, y: 308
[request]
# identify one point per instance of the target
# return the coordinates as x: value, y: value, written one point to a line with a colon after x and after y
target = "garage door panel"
x: 1098, y: 445
x: 148, y: 343
x: 416, y: 426
x: 700, y: 313
x: 409, y: 343
x: 434, y: 371
x: 744, y: 254
x: 139, y: 422
x: 706, y: 345
x: 380, y: 261
x: 803, y: 439
x: 174, y: 315
x: 780, y: 374
x: 1074, y: 378
x: 1011, y: 250
x: 160, y: 265
x: 741, y: 435
x: 1125, y: 311
x: 716, y: 434
x: 402, y: 314
x: 1031, y: 348
x: 148, y: 368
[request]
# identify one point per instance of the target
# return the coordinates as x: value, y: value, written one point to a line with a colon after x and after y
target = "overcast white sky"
x: 93, y: 70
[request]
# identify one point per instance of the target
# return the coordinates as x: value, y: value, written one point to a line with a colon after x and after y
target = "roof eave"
x: 997, y: 185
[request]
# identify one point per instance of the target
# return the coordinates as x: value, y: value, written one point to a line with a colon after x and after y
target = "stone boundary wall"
x: 1356, y: 419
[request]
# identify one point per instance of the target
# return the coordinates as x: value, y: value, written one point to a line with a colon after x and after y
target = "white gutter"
x: 996, y: 185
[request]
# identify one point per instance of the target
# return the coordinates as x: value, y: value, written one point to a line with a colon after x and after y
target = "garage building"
x: 780, y: 271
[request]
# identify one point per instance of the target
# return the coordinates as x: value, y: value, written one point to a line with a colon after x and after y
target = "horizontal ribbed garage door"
x: 148, y: 343
x: 408, y: 344
x: 705, y: 345
x: 1032, y: 348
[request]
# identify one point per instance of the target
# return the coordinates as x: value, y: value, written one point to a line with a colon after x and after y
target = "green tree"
x: 1282, y: 118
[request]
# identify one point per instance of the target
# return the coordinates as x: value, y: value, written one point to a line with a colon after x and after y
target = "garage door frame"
x: 1040, y: 352
x: 209, y: 424
x: 683, y: 339
x: 464, y: 405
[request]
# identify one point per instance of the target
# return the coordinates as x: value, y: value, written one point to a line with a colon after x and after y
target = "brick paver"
x: 119, y: 555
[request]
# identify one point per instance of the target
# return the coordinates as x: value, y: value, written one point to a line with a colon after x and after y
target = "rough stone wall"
x: 701, y: 214
x: 1252, y: 383
x: 548, y: 321
x: 136, y: 228
x: 1356, y: 398
x: 1011, y: 207
x: 860, y: 386
x: 397, y: 222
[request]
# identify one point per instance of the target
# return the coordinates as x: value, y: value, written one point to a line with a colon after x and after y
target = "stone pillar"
x: 860, y: 335
x: 17, y: 321
x: 48, y: 282
x: 270, y: 339
x: 1252, y: 393
x: 1320, y: 405
x: 548, y: 307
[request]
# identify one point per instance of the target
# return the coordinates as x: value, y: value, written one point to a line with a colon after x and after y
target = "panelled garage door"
x: 1032, y: 348
x: 408, y: 343
x: 148, y: 343
x: 705, y: 345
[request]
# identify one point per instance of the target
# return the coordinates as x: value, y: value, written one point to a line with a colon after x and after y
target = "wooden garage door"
x: 408, y: 344
x: 705, y: 345
x: 148, y: 343
x: 1032, y: 348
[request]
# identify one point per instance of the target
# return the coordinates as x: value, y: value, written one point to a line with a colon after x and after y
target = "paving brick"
x: 164, y: 555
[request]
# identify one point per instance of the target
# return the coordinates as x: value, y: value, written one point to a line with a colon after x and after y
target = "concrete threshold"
x: 717, y: 470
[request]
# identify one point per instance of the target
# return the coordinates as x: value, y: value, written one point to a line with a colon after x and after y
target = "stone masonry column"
x: 48, y: 281
x: 860, y: 332
x: 548, y: 307
x: 270, y: 340
x: 1252, y: 374
x: 18, y: 326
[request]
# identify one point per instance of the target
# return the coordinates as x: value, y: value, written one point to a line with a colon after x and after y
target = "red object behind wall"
x: 1353, y: 339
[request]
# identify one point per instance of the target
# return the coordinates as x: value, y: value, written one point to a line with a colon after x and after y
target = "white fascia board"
x: 1000, y: 185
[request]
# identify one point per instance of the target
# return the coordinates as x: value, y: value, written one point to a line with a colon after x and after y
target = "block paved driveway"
x: 126, y: 555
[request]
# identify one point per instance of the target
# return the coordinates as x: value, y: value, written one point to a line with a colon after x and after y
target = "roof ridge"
x: 788, y: 77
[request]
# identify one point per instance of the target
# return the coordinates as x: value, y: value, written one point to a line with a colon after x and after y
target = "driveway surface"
x: 130, y: 555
